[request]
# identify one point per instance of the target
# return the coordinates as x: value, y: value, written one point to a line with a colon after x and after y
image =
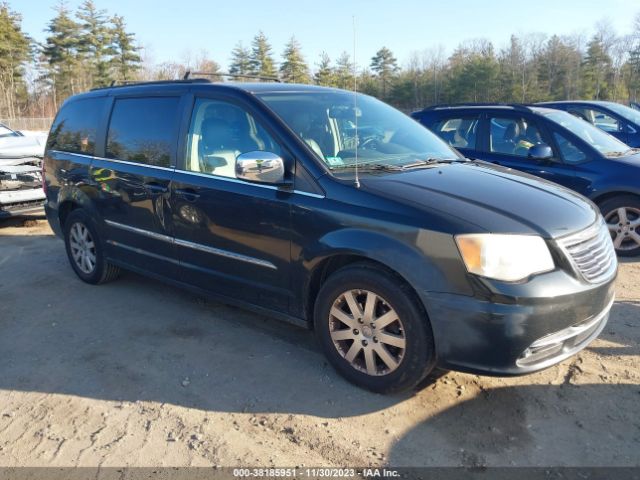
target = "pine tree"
x: 262, y: 62
x: 597, y: 70
x: 61, y: 52
x: 385, y: 65
x: 294, y: 69
x: 95, y: 42
x: 14, y: 54
x: 325, y: 75
x: 126, y: 60
x: 240, y: 61
x: 344, y: 71
x: 633, y: 66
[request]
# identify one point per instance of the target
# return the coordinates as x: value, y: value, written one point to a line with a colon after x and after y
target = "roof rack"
x: 515, y: 106
x: 189, y: 73
x: 127, y: 83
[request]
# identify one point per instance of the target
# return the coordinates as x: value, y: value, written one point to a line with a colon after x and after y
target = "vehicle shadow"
x: 137, y: 339
x: 529, y: 425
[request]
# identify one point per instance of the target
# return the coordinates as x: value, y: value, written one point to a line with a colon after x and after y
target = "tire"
x: 622, y: 214
x: 85, y: 249
x: 340, y: 335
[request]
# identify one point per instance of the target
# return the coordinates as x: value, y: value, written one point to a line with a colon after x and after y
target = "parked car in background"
x: 20, y: 172
x: 356, y: 222
x: 619, y: 120
x: 556, y: 146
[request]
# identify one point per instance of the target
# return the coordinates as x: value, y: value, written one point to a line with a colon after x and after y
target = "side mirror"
x: 541, y: 152
x: 260, y: 167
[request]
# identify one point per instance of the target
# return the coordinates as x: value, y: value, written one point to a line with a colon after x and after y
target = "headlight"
x: 504, y: 257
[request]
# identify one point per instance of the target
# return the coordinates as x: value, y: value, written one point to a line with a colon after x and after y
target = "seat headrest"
x: 512, y: 131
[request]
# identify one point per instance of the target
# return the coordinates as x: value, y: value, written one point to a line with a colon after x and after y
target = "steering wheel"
x: 370, y: 143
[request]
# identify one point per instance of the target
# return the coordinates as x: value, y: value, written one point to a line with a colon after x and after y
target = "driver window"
x: 513, y: 136
x: 219, y: 132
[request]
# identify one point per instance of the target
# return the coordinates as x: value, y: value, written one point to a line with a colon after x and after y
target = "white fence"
x: 27, y: 123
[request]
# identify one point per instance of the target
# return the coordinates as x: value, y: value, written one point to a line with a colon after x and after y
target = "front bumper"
x: 21, y: 202
x: 531, y: 327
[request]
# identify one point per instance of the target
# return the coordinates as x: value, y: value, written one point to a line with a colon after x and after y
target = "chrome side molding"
x: 195, y: 246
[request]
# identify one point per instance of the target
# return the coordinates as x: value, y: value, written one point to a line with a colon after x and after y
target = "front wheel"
x: 622, y: 215
x: 372, y: 329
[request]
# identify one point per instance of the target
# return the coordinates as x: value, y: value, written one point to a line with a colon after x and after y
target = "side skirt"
x: 299, y: 322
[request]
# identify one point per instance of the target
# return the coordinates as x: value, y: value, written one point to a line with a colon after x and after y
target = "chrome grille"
x: 592, y: 252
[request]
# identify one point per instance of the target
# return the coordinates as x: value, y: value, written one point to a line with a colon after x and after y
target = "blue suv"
x: 556, y: 146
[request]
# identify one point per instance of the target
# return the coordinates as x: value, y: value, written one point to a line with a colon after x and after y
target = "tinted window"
x: 143, y: 130
x: 513, y: 136
x: 569, y: 152
x: 459, y: 132
x: 219, y: 132
x: 74, y: 129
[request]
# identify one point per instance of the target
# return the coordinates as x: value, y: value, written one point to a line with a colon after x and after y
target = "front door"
x: 232, y: 237
x: 510, y: 136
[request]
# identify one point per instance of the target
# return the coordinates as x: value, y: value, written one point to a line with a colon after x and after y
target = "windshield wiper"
x: 368, y: 166
x: 427, y: 162
x: 396, y: 168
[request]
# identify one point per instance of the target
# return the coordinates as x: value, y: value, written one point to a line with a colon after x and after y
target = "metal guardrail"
x: 28, y: 123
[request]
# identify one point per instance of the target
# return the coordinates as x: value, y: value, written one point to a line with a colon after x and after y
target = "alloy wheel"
x: 83, y: 248
x: 367, y: 332
x: 624, y: 226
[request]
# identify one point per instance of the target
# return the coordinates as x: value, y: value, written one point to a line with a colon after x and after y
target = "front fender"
x: 429, y: 261
x: 619, y: 188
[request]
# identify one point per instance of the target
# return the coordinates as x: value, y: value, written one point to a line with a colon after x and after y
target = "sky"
x: 171, y: 30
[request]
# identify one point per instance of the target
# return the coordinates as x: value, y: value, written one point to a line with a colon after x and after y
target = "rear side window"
x: 74, y: 129
x: 143, y: 130
x: 459, y: 132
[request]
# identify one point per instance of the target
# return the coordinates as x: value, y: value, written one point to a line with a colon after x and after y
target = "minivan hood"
x: 494, y: 199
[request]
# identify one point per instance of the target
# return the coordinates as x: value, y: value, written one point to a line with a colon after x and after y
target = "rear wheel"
x: 373, y: 330
x: 85, y: 251
x: 622, y: 215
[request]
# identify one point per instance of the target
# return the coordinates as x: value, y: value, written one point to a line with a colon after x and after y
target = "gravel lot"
x: 136, y: 373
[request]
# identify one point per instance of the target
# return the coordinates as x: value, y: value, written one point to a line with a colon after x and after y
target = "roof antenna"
x: 355, y: 100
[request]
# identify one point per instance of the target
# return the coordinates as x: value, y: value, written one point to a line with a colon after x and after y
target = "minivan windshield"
x: 626, y: 112
x: 337, y: 126
x: 606, y: 144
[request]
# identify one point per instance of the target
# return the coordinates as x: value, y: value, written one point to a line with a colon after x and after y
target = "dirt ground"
x: 136, y: 373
